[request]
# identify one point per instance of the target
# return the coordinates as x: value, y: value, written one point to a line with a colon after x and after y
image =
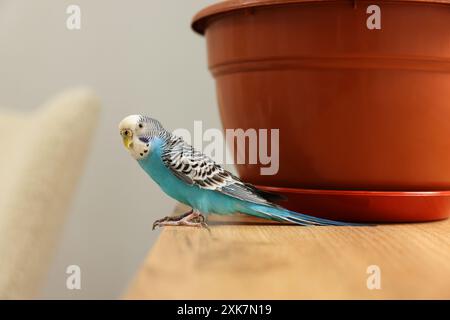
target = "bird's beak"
x: 127, y: 142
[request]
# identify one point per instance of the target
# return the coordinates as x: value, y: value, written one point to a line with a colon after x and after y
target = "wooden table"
x: 244, y: 258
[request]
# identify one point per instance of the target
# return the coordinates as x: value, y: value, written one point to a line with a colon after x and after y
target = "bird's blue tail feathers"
x: 280, y: 214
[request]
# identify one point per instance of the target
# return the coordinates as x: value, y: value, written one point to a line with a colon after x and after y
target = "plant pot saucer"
x: 367, y: 206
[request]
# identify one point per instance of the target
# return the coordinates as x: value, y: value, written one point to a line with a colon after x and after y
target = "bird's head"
x: 137, y: 132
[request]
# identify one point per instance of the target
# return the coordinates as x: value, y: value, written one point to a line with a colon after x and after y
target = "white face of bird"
x: 130, y: 129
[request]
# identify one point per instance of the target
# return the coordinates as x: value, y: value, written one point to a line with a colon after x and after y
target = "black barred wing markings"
x: 196, y: 168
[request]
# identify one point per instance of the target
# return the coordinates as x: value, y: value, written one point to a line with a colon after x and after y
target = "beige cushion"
x: 41, y: 159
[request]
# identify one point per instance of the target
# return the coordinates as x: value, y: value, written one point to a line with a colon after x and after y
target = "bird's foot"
x: 190, y: 219
x: 171, y: 219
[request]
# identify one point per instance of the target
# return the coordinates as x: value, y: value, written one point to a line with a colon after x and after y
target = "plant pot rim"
x: 200, y: 20
x: 360, y: 193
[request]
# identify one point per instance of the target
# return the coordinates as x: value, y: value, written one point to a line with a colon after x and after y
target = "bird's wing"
x: 196, y: 168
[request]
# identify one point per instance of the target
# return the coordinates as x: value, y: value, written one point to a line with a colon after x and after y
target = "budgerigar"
x: 196, y: 180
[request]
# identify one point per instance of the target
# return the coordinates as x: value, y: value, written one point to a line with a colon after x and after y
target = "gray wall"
x: 140, y: 57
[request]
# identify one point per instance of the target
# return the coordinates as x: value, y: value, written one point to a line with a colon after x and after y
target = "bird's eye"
x: 127, y: 133
x: 140, y: 125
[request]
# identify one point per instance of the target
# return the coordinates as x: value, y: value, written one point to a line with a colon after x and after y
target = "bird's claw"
x: 202, y: 220
x: 191, y: 219
x: 157, y: 222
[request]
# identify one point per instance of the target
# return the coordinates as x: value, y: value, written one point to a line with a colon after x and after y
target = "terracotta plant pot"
x: 357, y: 108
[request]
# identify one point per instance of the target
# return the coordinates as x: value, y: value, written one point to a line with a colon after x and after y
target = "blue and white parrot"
x: 194, y: 179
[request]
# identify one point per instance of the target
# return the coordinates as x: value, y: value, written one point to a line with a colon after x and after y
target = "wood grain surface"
x: 244, y: 258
